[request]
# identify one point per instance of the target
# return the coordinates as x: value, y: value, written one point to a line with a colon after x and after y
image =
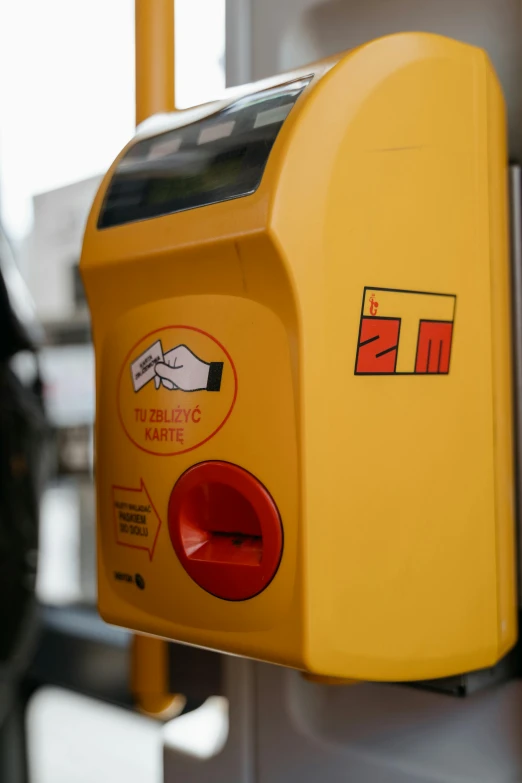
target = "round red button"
x: 225, y: 529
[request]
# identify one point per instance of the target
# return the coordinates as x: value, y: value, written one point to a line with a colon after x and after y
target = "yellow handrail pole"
x: 154, y: 58
x: 154, y: 42
x: 150, y: 678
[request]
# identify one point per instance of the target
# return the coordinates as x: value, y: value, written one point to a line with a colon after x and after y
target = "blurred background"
x: 67, y: 107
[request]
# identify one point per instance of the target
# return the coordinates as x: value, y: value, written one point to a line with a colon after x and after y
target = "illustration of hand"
x: 183, y: 370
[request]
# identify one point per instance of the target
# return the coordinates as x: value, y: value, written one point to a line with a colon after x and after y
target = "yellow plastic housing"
x: 384, y: 197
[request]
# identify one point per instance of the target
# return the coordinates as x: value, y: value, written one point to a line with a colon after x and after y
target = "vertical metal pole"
x: 150, y: 683
x: 515, y: 177
x: 13, y: 738
x: 154, y: 58
x: 238, y: 42
x: 155, y: 93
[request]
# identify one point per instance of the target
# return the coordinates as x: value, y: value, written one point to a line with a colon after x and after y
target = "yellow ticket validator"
x: 301, y: 316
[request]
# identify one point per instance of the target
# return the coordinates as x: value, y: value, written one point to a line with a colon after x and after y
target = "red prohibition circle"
x: 225, y: 529
x: 209, y: 437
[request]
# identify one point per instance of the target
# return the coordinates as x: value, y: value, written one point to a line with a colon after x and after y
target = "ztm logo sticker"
x: 405, y: 332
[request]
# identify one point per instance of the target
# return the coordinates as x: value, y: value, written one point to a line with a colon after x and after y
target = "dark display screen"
x: 215, y: 159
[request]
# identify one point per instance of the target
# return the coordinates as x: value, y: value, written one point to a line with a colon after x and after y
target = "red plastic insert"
x: 225, y: 529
